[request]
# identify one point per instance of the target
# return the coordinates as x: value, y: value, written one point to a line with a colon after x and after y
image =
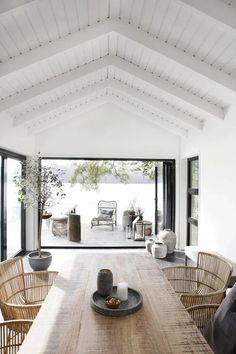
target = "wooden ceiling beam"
x: 95, y: 99
x: 165, y: 110
x: 169, y: 52
x: 194, y: 102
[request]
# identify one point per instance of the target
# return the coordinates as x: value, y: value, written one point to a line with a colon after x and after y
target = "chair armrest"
x: 202, y: 313
x: 172, y: 272
x: 40, y: 278
x: 190, y: 300
x: 182, y: 279
x: 14, y: 311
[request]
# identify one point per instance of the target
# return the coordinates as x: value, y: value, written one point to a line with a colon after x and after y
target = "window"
x: 192, y: 201
x: 12, y: 231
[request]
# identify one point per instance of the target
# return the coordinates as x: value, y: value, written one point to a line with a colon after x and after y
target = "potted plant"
x: 38, y: 187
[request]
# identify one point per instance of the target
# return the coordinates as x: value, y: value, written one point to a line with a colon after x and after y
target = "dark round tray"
x: 133, y: 304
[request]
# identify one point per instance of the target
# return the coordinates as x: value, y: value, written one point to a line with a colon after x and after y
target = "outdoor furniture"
x: 12, y: 335
x: 204, y: 284
x: 202, y: 313
x: 74, y: 228
x: 59, y: 225
x: 21, y: 294
x: 68, y: 324
x: 107, y: 214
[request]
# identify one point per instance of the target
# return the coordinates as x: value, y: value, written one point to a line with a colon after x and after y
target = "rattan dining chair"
x: 12, y: 334
x: 21, y: 294
x: 204, y: 284
x: 202, y: 313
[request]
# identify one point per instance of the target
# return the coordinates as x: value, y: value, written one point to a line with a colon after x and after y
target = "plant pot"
x: 39, y: 263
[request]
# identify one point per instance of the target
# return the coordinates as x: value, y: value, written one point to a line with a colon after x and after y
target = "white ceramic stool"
x: 159, y: 250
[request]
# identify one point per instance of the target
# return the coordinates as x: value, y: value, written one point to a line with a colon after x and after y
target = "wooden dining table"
x: 66, y: 323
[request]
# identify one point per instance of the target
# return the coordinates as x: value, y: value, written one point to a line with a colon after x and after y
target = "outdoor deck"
x: 98, y: 236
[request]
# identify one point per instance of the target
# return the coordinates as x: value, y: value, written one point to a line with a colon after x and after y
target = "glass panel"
x: 194, y: 174
x: 194, y: 206
x: 134, y: 196
x: 13, y: 210
x: 193, y: 236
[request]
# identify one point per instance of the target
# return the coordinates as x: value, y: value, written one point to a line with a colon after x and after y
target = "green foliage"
x: 90, y: 172
x: 38, y: 187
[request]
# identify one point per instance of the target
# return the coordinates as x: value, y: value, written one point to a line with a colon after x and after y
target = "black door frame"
x: 172, y: 161
x: 190, y: 193
x: 5, y: 154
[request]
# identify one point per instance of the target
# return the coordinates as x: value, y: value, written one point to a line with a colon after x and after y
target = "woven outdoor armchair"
x: 204, y: 284
x: 21, y: 294
x: 202, y: 313
x: 12, y: 334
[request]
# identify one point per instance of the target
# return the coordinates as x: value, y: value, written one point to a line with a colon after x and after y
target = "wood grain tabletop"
x: 66, y: 323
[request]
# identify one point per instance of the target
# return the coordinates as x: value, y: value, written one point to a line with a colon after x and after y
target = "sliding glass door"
x: 12, y: 234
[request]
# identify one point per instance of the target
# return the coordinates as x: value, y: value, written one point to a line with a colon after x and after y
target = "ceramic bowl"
x: 112, y: 302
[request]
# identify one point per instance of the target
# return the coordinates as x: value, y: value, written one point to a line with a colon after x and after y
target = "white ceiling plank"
x: 215, y: 10
x: 148, y: 116
x: 183, y: 59
x: 93, y: 102
x: 8, y: 5
x: 178, y: 56
x: 51, y: 122
x: 166, y: 110
x: 164, y: 86
x: 193, y: 101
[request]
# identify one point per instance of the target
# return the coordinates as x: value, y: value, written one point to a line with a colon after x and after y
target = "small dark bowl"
x: 112, y: 304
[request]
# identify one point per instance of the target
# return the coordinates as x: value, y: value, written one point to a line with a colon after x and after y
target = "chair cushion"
x: 220, y: 330
x: 104, y: 212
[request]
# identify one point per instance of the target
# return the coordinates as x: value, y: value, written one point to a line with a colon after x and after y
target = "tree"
x: 90, y: 172
x: 38, y: 186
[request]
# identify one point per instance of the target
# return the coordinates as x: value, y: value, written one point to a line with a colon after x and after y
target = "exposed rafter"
x: 98, y: 98
x: 214, y: 10
x: 170, y: 52
x: 193, y: 101
x: 165, y: 110
x: 149, y: 117
x: 47, y: 123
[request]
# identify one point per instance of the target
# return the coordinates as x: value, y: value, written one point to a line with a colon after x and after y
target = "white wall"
x: 108, y: 131
x: 15, y: 139
x: 216, y: 147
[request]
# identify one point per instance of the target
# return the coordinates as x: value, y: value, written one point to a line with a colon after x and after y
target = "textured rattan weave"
x: 21, y: 294
x: 204, y: 284
x: 202, y: 313
x: 12, y: 334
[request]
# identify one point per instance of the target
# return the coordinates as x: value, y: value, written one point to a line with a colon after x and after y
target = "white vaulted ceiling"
x: 172, y: 62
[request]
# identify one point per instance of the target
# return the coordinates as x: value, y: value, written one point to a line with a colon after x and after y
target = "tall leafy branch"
x: 38, y: 187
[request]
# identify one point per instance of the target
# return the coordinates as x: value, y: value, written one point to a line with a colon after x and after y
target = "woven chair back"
x: 213, y: 273
x: 12, y: 334
x: 12, y: 287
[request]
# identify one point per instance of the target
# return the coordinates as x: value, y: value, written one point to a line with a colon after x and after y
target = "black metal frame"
x: 172, y: 161
x: 169, y: 195
x: 5, y: 154
x: 190, y: 193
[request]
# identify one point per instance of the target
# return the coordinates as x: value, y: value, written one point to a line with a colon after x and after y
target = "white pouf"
x: 159, y: 250
x: 168, y: 237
